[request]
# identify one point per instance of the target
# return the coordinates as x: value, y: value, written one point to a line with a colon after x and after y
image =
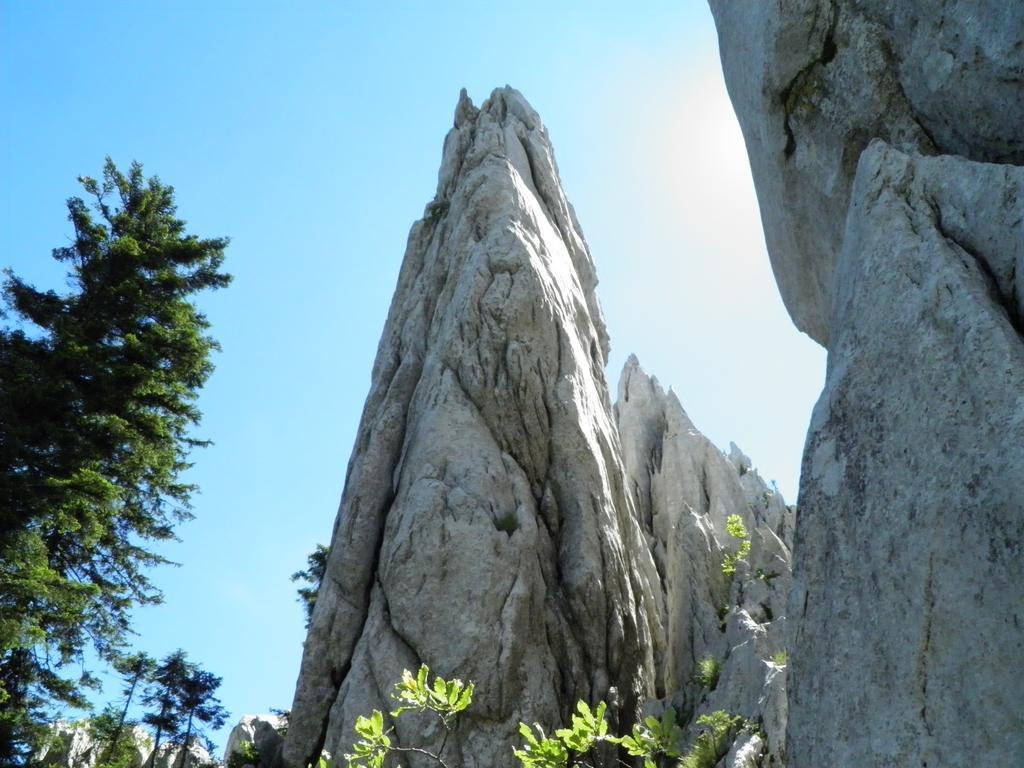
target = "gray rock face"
x: 72, y: 745
x: 485, y: 528
x: 909, y: 586
x: 170, y: 756
x: 684, y: 490
x: 886, y: 144
x: 263, y: 732
x: 814, y: 81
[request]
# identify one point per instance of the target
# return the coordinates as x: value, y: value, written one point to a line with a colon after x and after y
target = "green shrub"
x: 708, y: 670
x: 445, y: 698
x: 438, y: 210
x: 780, y: 659
x: 734, y: 525
x: 507, y: 523
x: 651, y: 740
x: 245, y: 754
x: 712, y: 744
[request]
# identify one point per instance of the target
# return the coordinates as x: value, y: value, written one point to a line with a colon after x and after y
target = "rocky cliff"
x: 685, y: 490
x: 886, y: 144
x: 495, y: 526
x: 75, y: 745
x: 485, y: 527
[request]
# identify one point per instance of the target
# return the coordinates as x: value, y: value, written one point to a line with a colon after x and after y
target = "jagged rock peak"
x: 685, y: 490
x: 485, y: 528
x: 74, y: 745
x: 506, y: 124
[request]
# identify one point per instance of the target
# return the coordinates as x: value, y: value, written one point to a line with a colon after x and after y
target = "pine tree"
x: 97, y: 399
x: 135, y: 669
x: 200, y: 706
x: 313, y: 576
x: 163, y: 699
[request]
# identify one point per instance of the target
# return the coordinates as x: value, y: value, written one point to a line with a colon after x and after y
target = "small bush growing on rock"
x: 780, y: 659
x: 718, y: 730
x: 445, y: 698
x: 245, y: 754
x: 734, y: 525
x: 708, y: 670
x: 654, y: 740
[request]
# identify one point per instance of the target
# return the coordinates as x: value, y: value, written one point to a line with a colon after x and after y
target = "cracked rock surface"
x: 503, y: 523
x: 684, y: 490
x: 887, y: 149
x: 908, y: 605
x: 814, y: 81
x: 485, y: 528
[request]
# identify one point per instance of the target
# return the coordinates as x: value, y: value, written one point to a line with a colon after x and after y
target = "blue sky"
x: 310, y: 133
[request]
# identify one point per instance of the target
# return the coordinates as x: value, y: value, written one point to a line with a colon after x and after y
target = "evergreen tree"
x: 199, y: 706
x: 163, y: 699
x: 97, y: 397
x: 135, y: 669
x: 180, y: 699
x: 116, y: 751
x: 313, y: 576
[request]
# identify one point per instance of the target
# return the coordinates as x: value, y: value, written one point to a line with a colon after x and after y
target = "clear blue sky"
x: 310, y: 133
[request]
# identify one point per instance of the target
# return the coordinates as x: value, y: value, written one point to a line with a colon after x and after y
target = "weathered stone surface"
x: 746, y: 752
x: 72, y: 745
x: 262, y: 731
x: 171, y: 756
x: 908, y: 602
x: 684, y: 490
x: 886, y: 144
x: 485, y: 528
x: 814, y: 81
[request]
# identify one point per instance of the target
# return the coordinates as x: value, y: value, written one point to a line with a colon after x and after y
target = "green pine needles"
x: 98, y: 391
x: 655, y: 741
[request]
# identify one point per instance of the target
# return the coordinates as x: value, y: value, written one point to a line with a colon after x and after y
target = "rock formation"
x: 485, y: 528
x: 886, y: 144
x: 814, y: 81
x: 685, y: 490
x: 264, y: 732
x: 494, y: 525
x: 73, y: 745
